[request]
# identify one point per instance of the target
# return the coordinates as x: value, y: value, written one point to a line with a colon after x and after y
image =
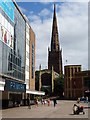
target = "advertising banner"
x: 6, y: 37
x: 8, y: 8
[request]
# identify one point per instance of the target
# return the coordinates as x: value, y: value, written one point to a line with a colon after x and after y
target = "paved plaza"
x: 63, y: 109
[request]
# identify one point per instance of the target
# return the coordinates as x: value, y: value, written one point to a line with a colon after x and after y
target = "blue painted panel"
x: 14, y: 86
x: 8, y: 8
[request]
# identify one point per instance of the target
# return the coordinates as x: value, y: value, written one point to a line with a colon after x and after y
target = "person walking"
x: 48, y: 101
x: 54, y: 102
x: 28, y: 102
x: 86, y: 99
x: 36, y: 102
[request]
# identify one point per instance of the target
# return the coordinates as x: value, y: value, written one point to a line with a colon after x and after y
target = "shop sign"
x: 15, y: 86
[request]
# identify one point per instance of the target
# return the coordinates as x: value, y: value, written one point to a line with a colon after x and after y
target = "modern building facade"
x: 31, y: 83
x: 17, y: 55
x: 32, y: 59
x: 30, y: 62
x: 69, y: 83
x: 6, y: 38
x: 12, y: 39
x: 55, y: 53
x: 27, y: 65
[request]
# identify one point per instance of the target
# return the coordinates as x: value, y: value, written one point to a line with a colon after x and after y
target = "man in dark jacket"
x: 28, y: 102
x: 54, y: 102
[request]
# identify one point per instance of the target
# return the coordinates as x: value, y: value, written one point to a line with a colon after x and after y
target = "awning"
x: 35, y: 92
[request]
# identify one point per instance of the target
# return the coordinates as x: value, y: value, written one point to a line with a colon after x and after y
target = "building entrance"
x: 15, y: 99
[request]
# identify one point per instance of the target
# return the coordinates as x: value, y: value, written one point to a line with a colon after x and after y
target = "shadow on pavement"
x: 76, y: 114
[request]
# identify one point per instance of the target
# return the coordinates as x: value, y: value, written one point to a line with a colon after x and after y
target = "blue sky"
x: 31, y: 6
x: 36, y: 7
x: 72, y: 19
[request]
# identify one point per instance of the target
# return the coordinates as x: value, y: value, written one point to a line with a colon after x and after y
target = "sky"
x: 72, y: 20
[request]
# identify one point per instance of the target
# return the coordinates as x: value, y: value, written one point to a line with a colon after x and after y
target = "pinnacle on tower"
x: 54, y: 38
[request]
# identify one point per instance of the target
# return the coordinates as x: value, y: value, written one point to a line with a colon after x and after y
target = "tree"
x: 46, y: 89
x: 59, y: 86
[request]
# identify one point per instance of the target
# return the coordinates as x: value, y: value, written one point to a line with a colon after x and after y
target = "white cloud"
x: 34, y: 18
x: 44, y: 12
x: 42, y: 31
x: 73, y: 34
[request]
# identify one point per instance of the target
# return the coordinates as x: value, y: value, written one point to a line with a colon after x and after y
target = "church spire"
x: 55, y: 54
x: 54, y: 38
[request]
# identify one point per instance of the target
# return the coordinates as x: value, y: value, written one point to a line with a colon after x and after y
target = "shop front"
x: 13, y: 94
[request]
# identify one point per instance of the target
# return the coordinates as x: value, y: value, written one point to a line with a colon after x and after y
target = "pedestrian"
x: 28, y: 102
x: 45, y: 102
x: 36, y: 102
x: 54, y: 102
x: 48, y: 101
x: 41, y: 101
x: 86, y: 99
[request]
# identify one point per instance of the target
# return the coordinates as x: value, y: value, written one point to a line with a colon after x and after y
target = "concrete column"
x: 40, y: 85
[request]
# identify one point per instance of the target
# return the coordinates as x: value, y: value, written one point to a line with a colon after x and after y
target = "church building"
x: 45, y: 79
x: 55, y: 53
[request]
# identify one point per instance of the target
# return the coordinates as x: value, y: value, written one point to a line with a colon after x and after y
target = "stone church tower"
x: 54, y: 53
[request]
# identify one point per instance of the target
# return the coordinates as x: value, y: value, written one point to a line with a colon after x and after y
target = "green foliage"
x: 46, y: 89
x: 37, y: 75
x: 37, y: 80
x: 59, y: 86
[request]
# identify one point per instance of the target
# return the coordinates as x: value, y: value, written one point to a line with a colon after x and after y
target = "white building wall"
x: 27, y: 61
x: 27, y: 57
x: 27, y: 48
